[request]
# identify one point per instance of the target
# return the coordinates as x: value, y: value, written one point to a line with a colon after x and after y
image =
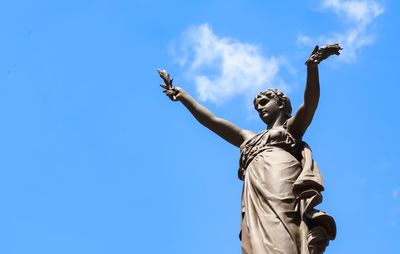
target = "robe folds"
x: 282, y: 185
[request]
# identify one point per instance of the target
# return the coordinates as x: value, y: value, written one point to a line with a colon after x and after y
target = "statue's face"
x: 267, y: 108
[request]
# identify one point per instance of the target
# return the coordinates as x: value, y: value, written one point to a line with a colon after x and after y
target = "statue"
x: 282, y: 182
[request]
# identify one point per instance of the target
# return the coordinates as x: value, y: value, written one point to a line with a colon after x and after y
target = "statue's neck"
x: 279, y: 121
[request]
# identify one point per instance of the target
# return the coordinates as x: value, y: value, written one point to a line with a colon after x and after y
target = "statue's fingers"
x: 172, y: 97
x: 316, y: 48
x: 164, y: 86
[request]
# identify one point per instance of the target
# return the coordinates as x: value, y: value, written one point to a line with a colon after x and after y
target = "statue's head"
x: 271, y: 103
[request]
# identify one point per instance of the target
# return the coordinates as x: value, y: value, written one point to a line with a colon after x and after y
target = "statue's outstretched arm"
x: 299, y: 123
x: 223, y: 128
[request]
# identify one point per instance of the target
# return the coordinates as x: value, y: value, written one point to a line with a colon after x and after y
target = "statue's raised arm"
x: 223, y: 128
x: 298, y: 124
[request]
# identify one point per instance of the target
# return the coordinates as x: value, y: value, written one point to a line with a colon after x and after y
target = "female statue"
x: 282, y: 182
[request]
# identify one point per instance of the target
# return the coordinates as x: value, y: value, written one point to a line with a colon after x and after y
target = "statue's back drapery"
x: 282, y: 185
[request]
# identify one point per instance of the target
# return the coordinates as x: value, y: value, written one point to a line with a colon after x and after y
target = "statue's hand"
x: 173, y: 93
x: 320, y: 54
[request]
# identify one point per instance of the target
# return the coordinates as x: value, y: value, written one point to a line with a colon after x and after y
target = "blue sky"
x: 95, y: 159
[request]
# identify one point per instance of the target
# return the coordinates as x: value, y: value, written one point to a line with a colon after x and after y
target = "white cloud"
x: 361, y: 12
x: 358, y: 15
x: 222, y: 67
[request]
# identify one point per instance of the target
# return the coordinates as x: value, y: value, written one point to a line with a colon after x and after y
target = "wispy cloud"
x: 223, y: 67
x: 358, y: 16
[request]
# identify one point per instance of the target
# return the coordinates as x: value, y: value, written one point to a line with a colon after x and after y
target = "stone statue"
x: 282, y: 182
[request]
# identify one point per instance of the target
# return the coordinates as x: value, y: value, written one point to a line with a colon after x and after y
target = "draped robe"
x: 281, y: 187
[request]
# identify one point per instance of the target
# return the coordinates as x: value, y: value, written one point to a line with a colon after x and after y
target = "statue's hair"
x: 277, y: 94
